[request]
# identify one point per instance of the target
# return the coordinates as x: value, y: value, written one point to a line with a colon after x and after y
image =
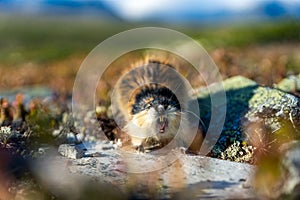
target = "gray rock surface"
x: 186, y: 177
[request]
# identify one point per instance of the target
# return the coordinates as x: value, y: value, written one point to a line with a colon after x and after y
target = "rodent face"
x: 155, y: 113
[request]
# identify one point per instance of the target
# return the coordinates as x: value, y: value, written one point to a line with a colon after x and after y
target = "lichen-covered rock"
x: 289, y: 84
x: 247, y: 103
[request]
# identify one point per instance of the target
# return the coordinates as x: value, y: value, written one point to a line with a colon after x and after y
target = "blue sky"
x: 135, y: 10
x: 139, y: 9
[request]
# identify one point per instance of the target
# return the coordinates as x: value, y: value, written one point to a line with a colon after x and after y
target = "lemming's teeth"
x: 161, y: 119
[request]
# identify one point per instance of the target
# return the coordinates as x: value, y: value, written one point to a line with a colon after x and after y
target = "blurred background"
x: 43, y: 42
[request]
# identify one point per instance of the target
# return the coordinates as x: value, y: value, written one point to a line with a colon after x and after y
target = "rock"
x: 291, y: 169
x: 70, y: 151
x: 58, y: 175
x: 290, y: 84
x: 187, y: 177
x: 248, y: 103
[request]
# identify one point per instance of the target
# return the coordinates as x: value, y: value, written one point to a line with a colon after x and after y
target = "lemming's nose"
x: 160, y: 109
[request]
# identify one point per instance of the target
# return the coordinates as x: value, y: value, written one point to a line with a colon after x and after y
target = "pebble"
x: 71, y: 151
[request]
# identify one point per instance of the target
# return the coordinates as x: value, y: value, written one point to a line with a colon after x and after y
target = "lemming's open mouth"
x: 162, y: 124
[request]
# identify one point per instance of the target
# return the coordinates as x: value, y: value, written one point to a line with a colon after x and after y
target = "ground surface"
x: 190, y: 176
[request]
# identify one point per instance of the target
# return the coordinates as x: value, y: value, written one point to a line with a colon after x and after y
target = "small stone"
x: 246, y: 185
x: 96, y: 154
x: 43, y: 150
x: 70, y: 151
x: 56, y: 132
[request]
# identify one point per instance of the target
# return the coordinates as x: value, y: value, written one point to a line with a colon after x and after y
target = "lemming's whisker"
x: 202, y: 105
x: 202, y: 123
x: 184, y: 118
x: 186, y: 121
